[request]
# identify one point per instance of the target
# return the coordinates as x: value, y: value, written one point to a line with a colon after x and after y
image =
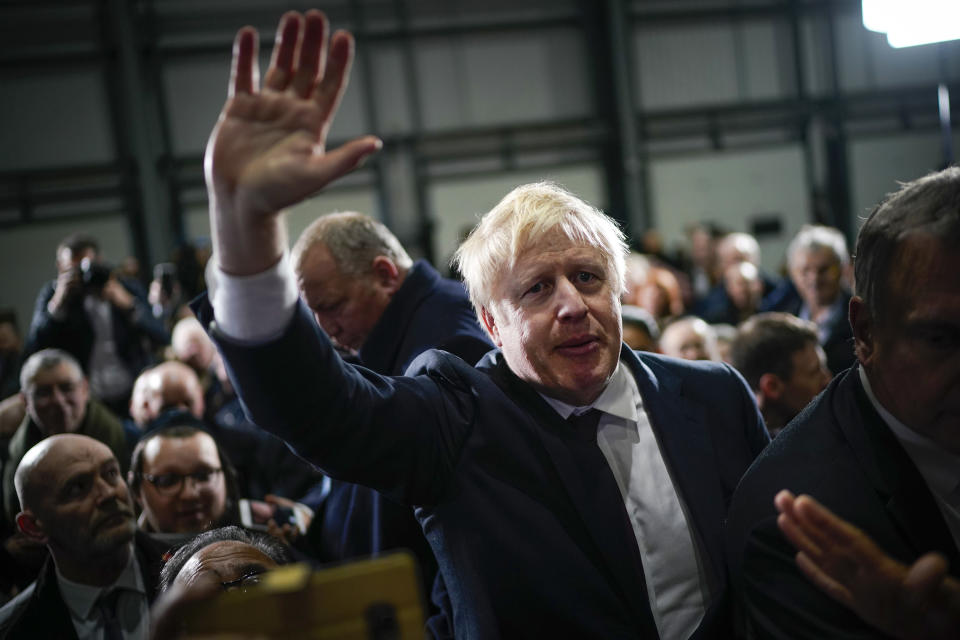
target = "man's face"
x: 686, y: 340
x: 173, y: 503
x: 912, y: 357
x: 556, y: 317
x: 809, y: 376
x: 222, y: 562
x: 84, y: 507
x: 816, y: 275
x: 346, y: 307
x: 57, y: 399
x: 744, y: 286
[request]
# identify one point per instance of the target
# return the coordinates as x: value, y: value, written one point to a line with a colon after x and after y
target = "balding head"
x: 169, y: 385
x: 74, y: 501
x: 36, y: 472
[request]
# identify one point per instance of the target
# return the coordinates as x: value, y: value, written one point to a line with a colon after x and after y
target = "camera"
x: 94, y: 275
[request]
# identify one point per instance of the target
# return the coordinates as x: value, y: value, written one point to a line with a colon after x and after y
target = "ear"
x: 771, y: 386
x: 31, y: 527
x: 491, y: 326
x: 386, y: 274
x: 863, y: 329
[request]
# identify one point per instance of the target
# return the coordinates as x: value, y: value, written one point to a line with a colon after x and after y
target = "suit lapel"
x: 908, y: 498
x: 680, y: 427
x: 554, y: 434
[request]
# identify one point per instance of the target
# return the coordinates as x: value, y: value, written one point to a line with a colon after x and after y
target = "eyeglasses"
x: 244, y: 582
x: 169, y: 484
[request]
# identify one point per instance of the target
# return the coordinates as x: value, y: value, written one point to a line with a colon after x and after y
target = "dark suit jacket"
x: 839, y: 451
x: 488, y: 464
x: 426, y: 312
x: 40, y: 612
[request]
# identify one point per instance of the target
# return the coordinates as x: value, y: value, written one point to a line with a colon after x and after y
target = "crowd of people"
x: 574, y: 441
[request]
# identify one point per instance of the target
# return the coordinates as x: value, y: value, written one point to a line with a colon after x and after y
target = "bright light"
x: 915, y: 22
x: 877, y: 14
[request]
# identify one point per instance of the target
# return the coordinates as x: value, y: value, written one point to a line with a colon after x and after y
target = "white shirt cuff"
x: 253, y: 309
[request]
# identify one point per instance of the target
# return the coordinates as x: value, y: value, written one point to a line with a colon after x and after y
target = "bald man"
x: 102, y: 572
x: 169, y: 386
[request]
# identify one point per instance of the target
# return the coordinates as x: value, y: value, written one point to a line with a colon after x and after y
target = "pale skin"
x: 268, y: 148
x: 909, y: 602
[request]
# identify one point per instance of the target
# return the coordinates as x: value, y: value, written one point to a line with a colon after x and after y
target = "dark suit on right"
x: 839, y: 451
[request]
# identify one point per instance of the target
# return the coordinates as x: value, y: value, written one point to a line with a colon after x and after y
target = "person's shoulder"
x: 13, y: 611
x: 692, y: 372
x: 810, y: 455
x: 443, y: 364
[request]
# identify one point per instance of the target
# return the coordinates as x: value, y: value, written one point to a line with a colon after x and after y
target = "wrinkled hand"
x: 268, y: 148
x: 919, y: 601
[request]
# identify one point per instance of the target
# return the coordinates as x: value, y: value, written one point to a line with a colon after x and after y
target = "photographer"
x: 101, y: 318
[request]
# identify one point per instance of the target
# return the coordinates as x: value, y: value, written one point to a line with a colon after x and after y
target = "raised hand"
x: 268, y: 148
x: 919, y: 601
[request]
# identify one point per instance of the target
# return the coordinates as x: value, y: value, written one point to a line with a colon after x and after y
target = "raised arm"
x: 919, y: 601
x: 268, y: 149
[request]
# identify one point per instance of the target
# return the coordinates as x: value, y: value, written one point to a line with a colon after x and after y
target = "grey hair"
x: 44, y: 360
x: 930, y: 204
x: 354, y: 240
x: 814, y: 237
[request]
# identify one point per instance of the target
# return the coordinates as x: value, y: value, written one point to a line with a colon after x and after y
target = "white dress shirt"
x: 676, y: 580
x: 133, y: 611
x: 939, y: 468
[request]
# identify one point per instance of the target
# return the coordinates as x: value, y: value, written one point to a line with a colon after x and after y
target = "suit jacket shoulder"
x: 427, y: 312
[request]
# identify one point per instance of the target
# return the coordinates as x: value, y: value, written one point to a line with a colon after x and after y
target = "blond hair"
x: 521, y: 219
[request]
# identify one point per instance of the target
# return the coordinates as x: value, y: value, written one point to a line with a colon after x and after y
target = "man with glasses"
x: 101, y: 577
x: 182, y: 482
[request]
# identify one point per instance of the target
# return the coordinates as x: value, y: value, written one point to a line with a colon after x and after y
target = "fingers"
x: 312, y: 55
x: 344, y: 159
x: 280, y: 71
x: 923, y: 579
x: 336, y: 76
x: 279, y: 501
x: 244, y: 68
x: 822, y: 580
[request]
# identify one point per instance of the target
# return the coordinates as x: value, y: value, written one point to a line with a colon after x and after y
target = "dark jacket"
x: 839, y: 451
x: 136, y: 332
x: 40, y: 612
x: 484, y: 459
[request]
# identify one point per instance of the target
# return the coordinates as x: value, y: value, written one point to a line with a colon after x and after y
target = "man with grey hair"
x: 102, y: 573
x: 569, y: 486
x: 370, y: 297
x: 880, y: 447
x: 58, y: 400
x: 816, y: 259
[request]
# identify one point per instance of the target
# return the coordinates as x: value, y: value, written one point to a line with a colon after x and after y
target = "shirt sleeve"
x: 253, y: 309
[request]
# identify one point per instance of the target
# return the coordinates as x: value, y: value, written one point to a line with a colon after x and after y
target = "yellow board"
x: 377, y: 598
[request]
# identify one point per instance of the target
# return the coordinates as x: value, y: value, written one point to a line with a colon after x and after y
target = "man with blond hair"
x: 568, y: 486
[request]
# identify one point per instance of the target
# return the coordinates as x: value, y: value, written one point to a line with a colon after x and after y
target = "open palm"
x: 267, y: 151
